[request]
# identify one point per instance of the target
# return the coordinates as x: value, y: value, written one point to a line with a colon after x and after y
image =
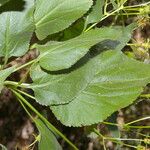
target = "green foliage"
x: 3, y: 147
x: 16, y: 31
x: 53, y: 89
x: 47, y: 138
x: 2, y: 2
x: 3, y: 75
x: 74, y: 30
x: 96, y: 13
x: 56, y: 15
x: 81, y: 74
x: 113, y: 82
x: 62, y: 55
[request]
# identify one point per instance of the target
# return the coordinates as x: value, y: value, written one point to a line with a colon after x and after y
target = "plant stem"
x: 112, y: 124
x: 127, y: 145
x: 116, y: 140
x: 145, y: 95
x: 106, y: 16
x: 147, y: 136
x: 26, y: 94
x: 139, y: 127
x: 25, y: 65
x: 113, y: 12
x: 16, y: 84
x: 31, y: 118
x: 103, y: 138
x: 120, y: 139
x: 25, y: 109
x: 135, y: 127
x: 44, y: 119
x: 138, y: 120
x: 105, y: 7
x: 98, y: 133
x: 146, y: 45
x: 140, y: 5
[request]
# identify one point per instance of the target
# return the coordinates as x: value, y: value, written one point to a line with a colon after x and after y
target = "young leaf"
x: 52, y: 16
x: 16, y: 31
x: 47, y: 138
x: 3, y: 75
x: 96, y: 13
x: 62, y: 55
x: 112, y: 81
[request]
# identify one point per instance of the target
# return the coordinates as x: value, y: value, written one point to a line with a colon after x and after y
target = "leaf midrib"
x: 55, y: 8
x: 6, y: 38
x: 52, y: 20
x: 70, y: 42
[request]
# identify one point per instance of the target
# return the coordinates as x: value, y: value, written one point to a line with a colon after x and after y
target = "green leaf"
x: 4, y: 74
x: 49, y: 89
x: 16, y: 31
x: 47, y: 138
x: 73, y: 31
x: 52, y: 16
x: 96, y: 13
x: 2, y: 2
x: 114, y: 130
x: 115, y: 6
x: 3, y: 147
x: 111, y: 81
x: 53, y: 89
x: 89, y: 131
x: 62, y: 55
